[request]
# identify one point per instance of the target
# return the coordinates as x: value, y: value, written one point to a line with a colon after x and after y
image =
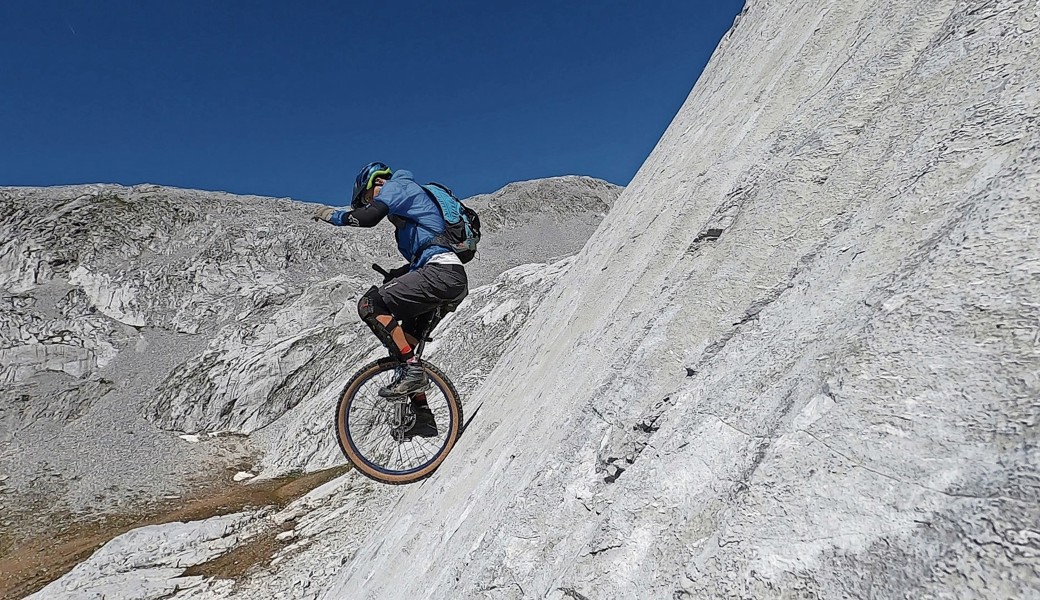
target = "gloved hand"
x: 324, y: 213
x: 395, y: 273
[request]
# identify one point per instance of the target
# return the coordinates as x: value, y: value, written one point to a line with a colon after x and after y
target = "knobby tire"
x: 378, y: 472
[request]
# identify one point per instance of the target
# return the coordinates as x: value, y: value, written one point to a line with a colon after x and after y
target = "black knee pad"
x: 370, y: 306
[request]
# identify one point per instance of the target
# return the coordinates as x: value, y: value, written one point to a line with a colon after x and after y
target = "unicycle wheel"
x: 395, y: 440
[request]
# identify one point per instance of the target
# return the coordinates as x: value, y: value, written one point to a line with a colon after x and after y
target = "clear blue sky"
x: 292, y: 98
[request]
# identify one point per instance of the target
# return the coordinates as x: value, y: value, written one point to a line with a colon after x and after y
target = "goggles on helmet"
x: 366, y: 180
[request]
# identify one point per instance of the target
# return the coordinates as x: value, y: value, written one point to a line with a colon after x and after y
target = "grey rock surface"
x: 799, y: 358
x: 132, y: 315
x: 147, y: 563
x: 329, y: 523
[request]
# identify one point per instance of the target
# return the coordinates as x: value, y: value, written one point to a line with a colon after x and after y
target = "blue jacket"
x: 418, y: 219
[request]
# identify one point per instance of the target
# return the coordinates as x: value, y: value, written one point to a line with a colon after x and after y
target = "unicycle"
x: 392, y: 440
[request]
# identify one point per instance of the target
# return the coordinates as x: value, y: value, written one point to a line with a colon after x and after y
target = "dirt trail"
x: 31, y: 561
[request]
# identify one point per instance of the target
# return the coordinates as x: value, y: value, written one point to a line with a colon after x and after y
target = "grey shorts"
x: 421, y: 291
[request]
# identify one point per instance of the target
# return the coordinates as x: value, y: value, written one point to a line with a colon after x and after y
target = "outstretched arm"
x: 366, y: 216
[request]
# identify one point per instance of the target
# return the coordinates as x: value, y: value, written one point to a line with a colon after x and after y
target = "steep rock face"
x: 799, y: 356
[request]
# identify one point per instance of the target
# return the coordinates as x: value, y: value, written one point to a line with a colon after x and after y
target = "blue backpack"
x: 462, y: 231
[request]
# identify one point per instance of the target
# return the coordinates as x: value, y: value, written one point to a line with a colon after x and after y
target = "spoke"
x: 399, y: 459
x: 369, y: 426
x: 415, y: 453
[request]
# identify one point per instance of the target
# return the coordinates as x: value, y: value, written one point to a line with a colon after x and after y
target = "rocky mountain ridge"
x: 127, y: 309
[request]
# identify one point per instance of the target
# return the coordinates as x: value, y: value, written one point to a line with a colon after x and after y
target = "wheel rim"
x: 370, y: 428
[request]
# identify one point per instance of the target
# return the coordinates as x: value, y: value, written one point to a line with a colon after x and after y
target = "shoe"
x: 425, y: 425
x: 411, y: 378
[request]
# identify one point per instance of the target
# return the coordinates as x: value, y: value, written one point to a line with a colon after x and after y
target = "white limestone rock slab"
x: 147, y: 563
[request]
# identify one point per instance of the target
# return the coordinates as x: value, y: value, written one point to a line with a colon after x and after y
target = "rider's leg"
x: 412, y: 340
x: 416, y: 293
x: 379, y: 318
x: 376, y: 314
x: 401, y: 340
x: 414, y: 327
x: 425, y: 424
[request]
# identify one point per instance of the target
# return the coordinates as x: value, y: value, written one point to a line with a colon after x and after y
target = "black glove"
x: 395, y: 273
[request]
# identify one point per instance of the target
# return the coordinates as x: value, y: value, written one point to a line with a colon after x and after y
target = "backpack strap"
x: 438, y: 238
x: 434, y: 241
